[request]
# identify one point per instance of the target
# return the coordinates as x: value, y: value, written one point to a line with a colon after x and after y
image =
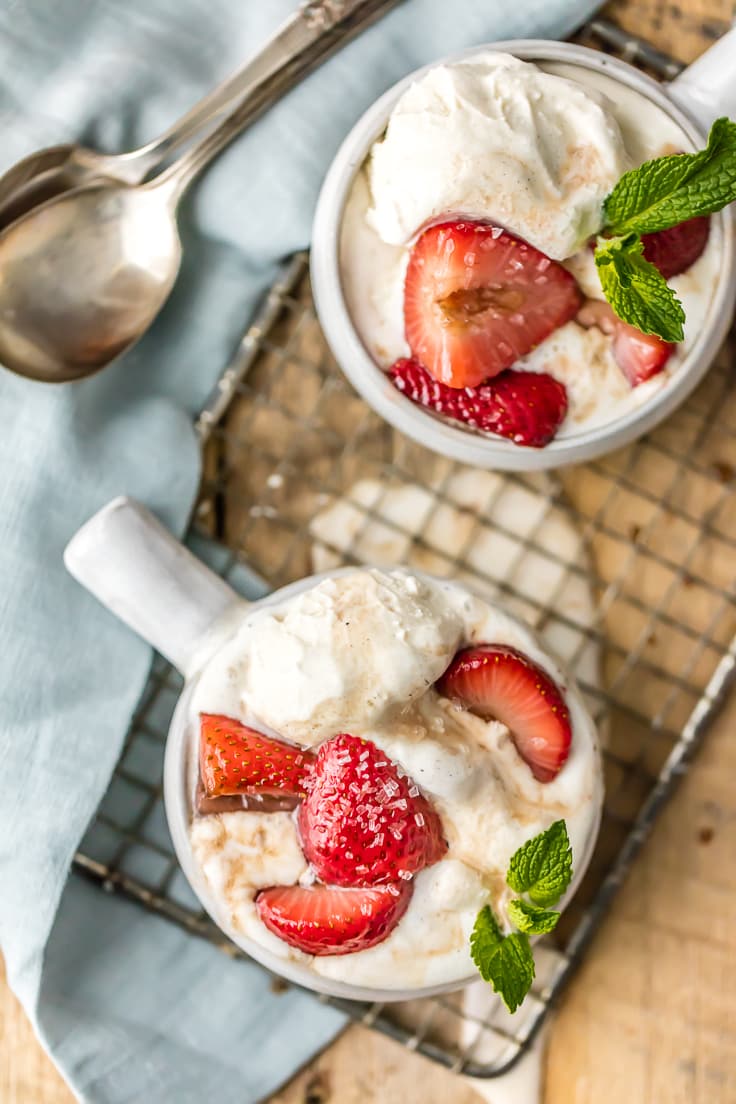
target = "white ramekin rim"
x: 178, y: 806
x: 443, y: 436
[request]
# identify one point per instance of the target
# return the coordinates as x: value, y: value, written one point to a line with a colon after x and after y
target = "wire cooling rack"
x: 625, y: 566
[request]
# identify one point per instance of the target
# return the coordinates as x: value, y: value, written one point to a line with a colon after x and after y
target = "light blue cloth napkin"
x: 130, y: 1008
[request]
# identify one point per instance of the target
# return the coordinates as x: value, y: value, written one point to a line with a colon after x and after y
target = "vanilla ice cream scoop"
x: 498, y: 139
x: 339, y: 654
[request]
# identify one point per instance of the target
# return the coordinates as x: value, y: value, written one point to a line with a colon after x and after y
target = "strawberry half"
x: 500, y: 683
x: 235, y: 759
x: 363, y: 821
x: 675, y: 249
x: 476, y: 299
x: 324, y: 920
x: 639, y: 356
x: 525, y: 407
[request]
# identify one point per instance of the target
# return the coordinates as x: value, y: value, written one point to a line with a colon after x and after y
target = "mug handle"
x: 136, y: 568
x: 707, y: 88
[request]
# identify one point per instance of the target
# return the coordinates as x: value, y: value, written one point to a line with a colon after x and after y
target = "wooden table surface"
x: 651, y: 1016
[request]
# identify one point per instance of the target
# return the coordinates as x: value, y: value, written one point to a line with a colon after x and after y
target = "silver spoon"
x: 51, y: 172
x: 83, y: 276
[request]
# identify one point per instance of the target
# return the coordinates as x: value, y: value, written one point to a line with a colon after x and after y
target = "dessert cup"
x: 699, y: 95
x: 135, y: 567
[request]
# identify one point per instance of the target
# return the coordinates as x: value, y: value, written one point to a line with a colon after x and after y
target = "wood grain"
x: 681, y: 29
x: 651, y: 1016
x: 27, y: 1075
x: 363, y: 1067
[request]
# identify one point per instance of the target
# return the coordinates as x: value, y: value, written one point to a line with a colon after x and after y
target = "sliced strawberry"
x: 639, y: 356
x: 324, y: 920
x: 501, y: 683
x: 364, y: 821
x: 675, y: 249
x: 525, y: 407
x: 235, y: 759
x: 476, y: 299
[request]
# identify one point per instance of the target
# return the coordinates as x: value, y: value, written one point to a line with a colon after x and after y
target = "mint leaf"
x: 506, y: 961
x: 669, y: 190
x: 542, y: 867
x: 528, y: 918
x: 636, y: 290
x: 485, y: 939
x: 511, y: 969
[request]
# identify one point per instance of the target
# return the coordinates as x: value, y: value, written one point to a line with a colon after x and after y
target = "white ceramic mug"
x: 136, y: 568
x: 693, y: 100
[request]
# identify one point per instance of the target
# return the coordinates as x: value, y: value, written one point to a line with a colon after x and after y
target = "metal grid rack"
x: 624, y: 565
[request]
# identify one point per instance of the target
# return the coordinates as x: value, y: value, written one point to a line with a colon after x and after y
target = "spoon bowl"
x: 82, y: 278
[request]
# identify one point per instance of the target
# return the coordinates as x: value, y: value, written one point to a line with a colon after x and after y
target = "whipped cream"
x: 406, y: 627
x: 339, y: 655
x: 373, y: 260
x: 496, y: 138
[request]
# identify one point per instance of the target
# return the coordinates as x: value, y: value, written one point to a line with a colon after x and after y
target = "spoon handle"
x: 323, y: 17
x: 311, y: 22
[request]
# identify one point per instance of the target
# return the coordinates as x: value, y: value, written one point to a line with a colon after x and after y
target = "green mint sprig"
x: 657, y: 195
x: 541, y: 869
